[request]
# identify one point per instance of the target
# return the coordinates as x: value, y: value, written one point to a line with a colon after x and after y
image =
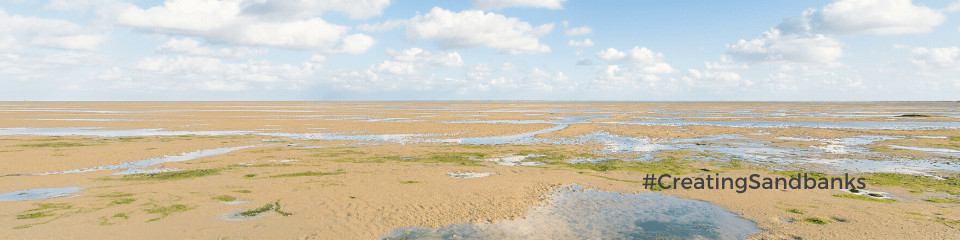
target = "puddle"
x: 137, y: 167
x: 586, y: 160
x: 496, y: 140
x: 505, y: 139
x: 614, y: 143
x: 883, y: 195
x: 238, y: 202
x: 469, y: 175
x: 842, y: 145
x: 70, y: 131
x: 787, y: 124
x: 941, y: 151
x: 913, y: 167
x: 39, y: 193
x: 515, y: 160
x: 590, y: 214
x: 91, y: 119
x: 235, y: 216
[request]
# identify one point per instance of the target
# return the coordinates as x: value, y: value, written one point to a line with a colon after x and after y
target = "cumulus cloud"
x: 507, y: 77
x: 729, y: 78
x: 501, y: 4
x: 584, y: 43
x: 882, y: 17
x: 225, y: 21
x: 451, y: 59
x: 356, y: 9
x: 411, y: 61
x: 807, y: 39
x: 217, y: 75
x: 642, y: 59
x: 473, y: 28
x: 578, y: 31
x: 192, y: 47
x: 48, y: 32
x: 936, y: 58
x: 631, y: 69
x: 776, y: 46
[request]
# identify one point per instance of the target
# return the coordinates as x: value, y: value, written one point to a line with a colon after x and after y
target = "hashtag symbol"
x: 649, y: 181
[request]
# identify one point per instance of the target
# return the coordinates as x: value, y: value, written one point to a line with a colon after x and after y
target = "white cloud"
x: 47, y: 32
x: 642, y: 59
x: 729, y: 78
x: 395, y: 68
x: 508, y: 78
x: 584, y: 43
x: 409, y: 62
x: 474, y: 28
x: 776, y: 46
x: 631, y: 69
x: 356, y: 9
x: 223, y: 21
x: 937, y: 58
x: 451, y: 59
x: 882, y: 17
x: 190, y: 72
x: 501, y: 4
x: 192, y: 47
x: 726, y: 63
x: 578, y: 31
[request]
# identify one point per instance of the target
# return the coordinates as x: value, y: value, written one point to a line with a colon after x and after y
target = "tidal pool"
x: 574, y: 213
x: 137, y: 167
x: 892, y: 125
x: 39, y: 193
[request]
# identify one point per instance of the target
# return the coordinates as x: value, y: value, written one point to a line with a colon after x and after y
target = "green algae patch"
x: 275, y: 206
x: 34, y: 215
x: 816, y: 220
x: 114, y: 195
x: 794, y: 210
x: 865, y: 198
x: 309, y: 174
x: 942, y: 200
x: 665, y: 166
x: 175, y: 175
x: 458, y: 158
x: 949, y: 185
x: 165, y: 211
x: 54, y: 145
x: 224, y: 198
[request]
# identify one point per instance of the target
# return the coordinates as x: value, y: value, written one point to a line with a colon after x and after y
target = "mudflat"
x: 371, y: 170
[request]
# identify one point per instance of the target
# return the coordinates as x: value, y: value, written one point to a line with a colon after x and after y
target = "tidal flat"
x: 473, y: 170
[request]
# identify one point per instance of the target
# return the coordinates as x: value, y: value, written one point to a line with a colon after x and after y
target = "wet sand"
x: 361, y: 170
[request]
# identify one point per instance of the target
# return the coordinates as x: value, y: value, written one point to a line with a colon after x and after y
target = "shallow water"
x: 562, y: 123
x: 515, y: 160
x: 892, y: 125
x: 137, y: 167
x: 940, y: 151
x: 913, y: 167
x: 39, y: 193
x: 71, y: 131
x: 590, y: 214
x: 469, y: 175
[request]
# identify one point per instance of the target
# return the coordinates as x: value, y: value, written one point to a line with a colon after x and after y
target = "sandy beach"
x: 372, y: 170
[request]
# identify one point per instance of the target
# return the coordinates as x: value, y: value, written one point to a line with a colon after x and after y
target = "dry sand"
x: 350, y: 189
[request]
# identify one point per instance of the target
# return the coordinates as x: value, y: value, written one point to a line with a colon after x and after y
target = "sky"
x: 569, y: 50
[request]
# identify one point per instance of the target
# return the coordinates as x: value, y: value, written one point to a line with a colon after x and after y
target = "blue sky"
x: 839, y: 50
